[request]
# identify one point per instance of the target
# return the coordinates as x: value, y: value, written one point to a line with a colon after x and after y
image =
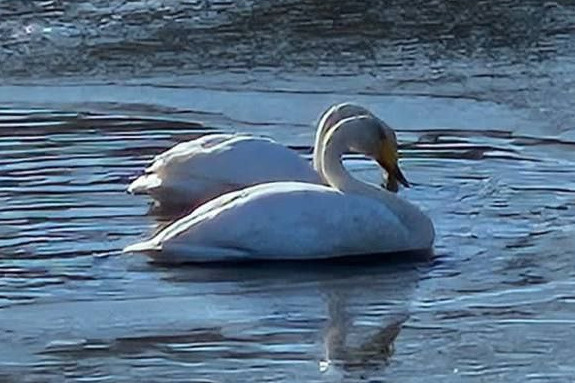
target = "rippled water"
x: 480, y: 96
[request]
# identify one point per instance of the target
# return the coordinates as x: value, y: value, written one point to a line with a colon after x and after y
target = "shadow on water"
x: 418, y: 256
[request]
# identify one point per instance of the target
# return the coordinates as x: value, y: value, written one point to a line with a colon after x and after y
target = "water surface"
x: 481, y: 100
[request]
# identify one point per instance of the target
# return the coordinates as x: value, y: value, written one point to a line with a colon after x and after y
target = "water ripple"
x: 497, y: 202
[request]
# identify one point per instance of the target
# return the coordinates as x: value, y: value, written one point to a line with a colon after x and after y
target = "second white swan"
x: 199, y: 170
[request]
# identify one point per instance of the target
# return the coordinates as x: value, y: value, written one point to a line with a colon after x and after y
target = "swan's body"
x: 212, y: 165
x: 297, y: 221
x: 201, y: 169
x: 288, y: 221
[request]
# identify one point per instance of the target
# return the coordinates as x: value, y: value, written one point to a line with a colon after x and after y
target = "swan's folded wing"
x: 237, y: 162
x: 172, y: 160
x: 187, y: 149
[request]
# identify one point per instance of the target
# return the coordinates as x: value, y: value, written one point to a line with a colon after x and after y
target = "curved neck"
x: 318, y: 146
x: 338, y: 141
x: 338, y: 177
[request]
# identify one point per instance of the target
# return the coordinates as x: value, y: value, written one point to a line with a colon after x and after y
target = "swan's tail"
x: 145, y: 183
x: 142, y: 247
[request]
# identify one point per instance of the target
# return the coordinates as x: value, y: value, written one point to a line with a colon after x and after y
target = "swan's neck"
x: 317, y: 147
x: 322, y: 128
x: 338, y: 142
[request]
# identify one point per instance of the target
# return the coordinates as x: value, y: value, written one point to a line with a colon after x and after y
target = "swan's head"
x: 339, y: 112
x: 376, y: 139
x: 388, y: 157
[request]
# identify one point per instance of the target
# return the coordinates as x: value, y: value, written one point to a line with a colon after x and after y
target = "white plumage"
x: 302, y: 221
x: 210, y: 166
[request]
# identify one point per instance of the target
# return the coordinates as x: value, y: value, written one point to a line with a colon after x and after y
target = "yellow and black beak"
x: 393, y: 178
x: 388, y: 159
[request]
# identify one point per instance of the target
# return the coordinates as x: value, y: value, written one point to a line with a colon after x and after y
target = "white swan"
x: 296, y: 221
x: 199, y: 170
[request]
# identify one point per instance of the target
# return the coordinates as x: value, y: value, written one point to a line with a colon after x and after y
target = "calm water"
x: 481, y: 97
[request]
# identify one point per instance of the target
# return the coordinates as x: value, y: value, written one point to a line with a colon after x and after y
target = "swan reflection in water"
x: 373, y: 352
x: 314, y: 323
x: 348, y: 315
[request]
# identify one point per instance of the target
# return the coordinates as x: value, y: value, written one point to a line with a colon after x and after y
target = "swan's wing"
x: 182, y: 225
x: 152, y: 177
x: 188, y: 148
x: 232, y: 163
x: 253, y: 160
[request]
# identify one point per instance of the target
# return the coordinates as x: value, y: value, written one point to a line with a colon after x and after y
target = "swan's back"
x: 247, y: 160
x: 188, y: 148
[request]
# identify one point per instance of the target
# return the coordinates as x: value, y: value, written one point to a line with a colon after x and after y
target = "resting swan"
x: 303, y: 221
x: 200, y: 170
